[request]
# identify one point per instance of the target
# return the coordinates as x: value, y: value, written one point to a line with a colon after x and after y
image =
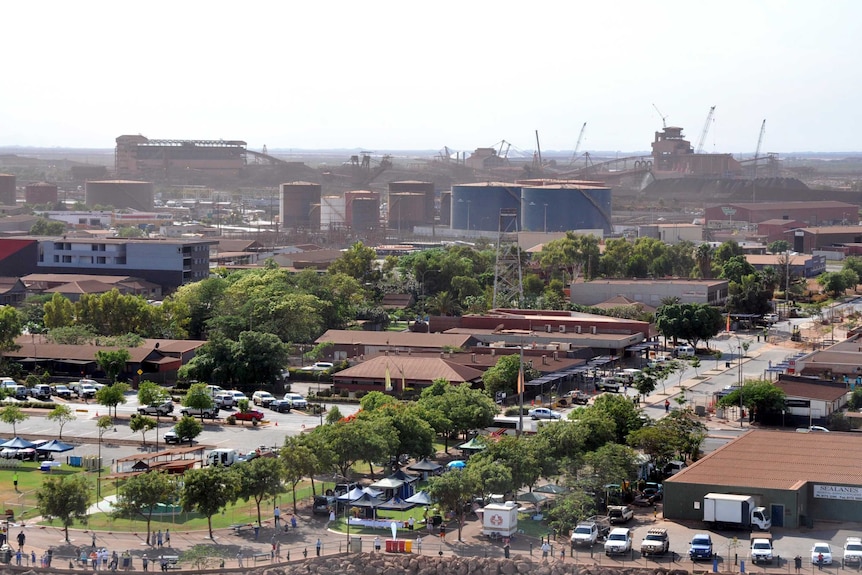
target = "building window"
x: 67, y: 259
x: 56, y: 259
x: 101, y: 260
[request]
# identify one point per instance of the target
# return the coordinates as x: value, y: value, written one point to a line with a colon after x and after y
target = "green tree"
x: 142, y: 423
x: 150, y: 393
x: 725, y: 252
x: 112, y: 395
x: 64, y: 498
x: 10, y: 328
x: 503, y: 376
x: 298, y: 461
x: 13, y: 415
x: 836, y: 283
x: 113, y: 362
x: 59, y: 312
x: 46, y: 227
x: 140, y: 494
x: 188, y: 427
x: 518, y: 453
x: 617, y: 408
x: 490, y: 476
x: 736, y: 268
x: 452, y: 492
x: 570, y: 256
x: 198, y: 397
x: 778, y: 246
x: 61, y: 415
x: 689, y: 322
x: 612, y: 463
x: 260, y: 478
x: 448, y: 407
x: 358, y: 262
x: 209, y: 490
x: 594, y: 427
x: 761, y: 397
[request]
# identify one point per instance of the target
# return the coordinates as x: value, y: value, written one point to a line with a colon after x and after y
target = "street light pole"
x: 521, y: 391
x: 739, y: 377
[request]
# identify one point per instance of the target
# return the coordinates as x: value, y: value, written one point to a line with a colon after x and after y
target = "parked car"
x: 250, y: 415
x: 322, y: 504
x: 237, y: 396
x: 701, y: 547
x: 544, y: 413
x: 853, y: 551
x: 160, y: 409
x: 172, y: 437
x: 296, y: 400
x: 280, y: 405
x: 41, y: 391
x: 620, y: 514
x: 83, y: 389
x: 821, y: 554
x: 210, y: 412
x: 263, y: 398
x: 224, y: 399
x: 655, y: 542
x: 319, y: 366
x: 62, y: 391
x: 577, y: 396
x: 653, y: 491
x: 812, y: 429
x: 619, y: 541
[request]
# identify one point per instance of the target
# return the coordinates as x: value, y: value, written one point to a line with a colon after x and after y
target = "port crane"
x: 662, y: 116
x: 578, y: 145
x: 705, y: 131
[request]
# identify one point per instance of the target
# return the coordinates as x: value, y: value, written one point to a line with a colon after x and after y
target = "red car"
x: 250, y: 415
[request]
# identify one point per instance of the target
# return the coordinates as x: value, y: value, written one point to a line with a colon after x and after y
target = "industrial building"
x: 40, y: 193
x: 813, y: 213
x: 809, y: 239
x: 7, y: 190
x: 120, y: 194
x: 650, y: 292
x: 672, y: 153
x: 299, y: 205
x: 800, y: 478
x: 168, y: 263
x: 137, y: 156
x: 801, y: 265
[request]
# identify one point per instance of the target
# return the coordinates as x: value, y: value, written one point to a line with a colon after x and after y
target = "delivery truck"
x: 741, y: 511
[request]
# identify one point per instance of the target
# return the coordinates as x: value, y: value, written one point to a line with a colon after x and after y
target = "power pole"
x: 508, y: 281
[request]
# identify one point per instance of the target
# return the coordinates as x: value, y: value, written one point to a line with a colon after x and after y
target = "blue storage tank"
x: 561, y: 208
x: 477, y: 206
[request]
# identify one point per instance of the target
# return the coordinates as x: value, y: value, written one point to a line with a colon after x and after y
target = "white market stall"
x: 500, y: 519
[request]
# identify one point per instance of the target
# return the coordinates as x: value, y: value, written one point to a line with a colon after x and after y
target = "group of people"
x: 99, y: 559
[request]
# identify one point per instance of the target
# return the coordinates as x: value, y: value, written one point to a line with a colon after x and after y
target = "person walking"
x: 15, y: 481
x: 21, y: 539
x: 377, y: 544
x: 442, y: 532
x: 276, y: 514
x: 820, y: 561
x: 167, y: 537
x: 94, y: 559
x: 93, y: 545
x: 239, y: 559
x: 293, y: 521
x: 18, y: 556
x: 545, y: 549
x: 317, y: 546
x: 797, y: 563
x: 506, y: 548
x: 33, y: 559
x: 159, y: 538
x: 145, y: 561
x: 419, y: 545
x: 666, y: 405
x: 411, y: 523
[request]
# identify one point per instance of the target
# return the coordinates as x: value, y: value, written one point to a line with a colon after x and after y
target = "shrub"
x: 231, y: 420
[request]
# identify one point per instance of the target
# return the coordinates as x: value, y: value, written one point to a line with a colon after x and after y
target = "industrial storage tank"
x: 417, y: 187
x: 121, y: 194
x: 362, y: 209
x: 446, y: 208
x: 406, y: 210
x: 562, y: 208
x: 40, y: 193
x: 365, y: 215
x: 477, y: 206
x: 7, y: 189
x: 333, y: 210
x: 295, y: 201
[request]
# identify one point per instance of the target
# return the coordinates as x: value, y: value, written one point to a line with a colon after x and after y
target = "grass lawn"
x: 23, y: 503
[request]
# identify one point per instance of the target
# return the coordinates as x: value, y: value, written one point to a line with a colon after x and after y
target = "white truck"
x: 730, y: 510
x: 222, y: 456
x: 761, y: 549
x: 655, y: 542
x: 589, y: 531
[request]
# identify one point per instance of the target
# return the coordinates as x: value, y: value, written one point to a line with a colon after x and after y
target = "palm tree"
x: 442, y: 303
x: 703, y: 259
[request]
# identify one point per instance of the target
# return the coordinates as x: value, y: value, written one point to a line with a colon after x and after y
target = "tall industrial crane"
x: 759, y: 143
x: 705, y: 131
x: 663, y: 117
x: 578, y: 144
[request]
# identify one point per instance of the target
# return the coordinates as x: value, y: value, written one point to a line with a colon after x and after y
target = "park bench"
x: 261, y: 557
x: 238, y: 527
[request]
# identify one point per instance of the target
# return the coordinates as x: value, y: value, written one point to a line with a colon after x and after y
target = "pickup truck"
x: 210, y: 412
x: 761, y: 549
x: 250, y: 415
x: 620, y: 514
x: 577, y: 397
x: 589, y: 531
x: 655, y: 542
x: 62, y: 391
x: 41, y: 391
x: 162, y: 409
x: 83, y: 390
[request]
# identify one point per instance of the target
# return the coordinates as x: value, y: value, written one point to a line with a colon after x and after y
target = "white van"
x: 683, y: 351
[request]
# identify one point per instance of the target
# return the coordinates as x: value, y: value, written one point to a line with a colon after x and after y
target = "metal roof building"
x: 799, y: 477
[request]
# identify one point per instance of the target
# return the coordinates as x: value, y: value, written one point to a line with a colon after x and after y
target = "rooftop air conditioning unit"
x: 593, y: 330
x: 548, y: 328
x: 578, y: 329
x: 562, y: 329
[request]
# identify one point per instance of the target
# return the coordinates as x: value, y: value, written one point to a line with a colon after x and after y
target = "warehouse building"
x: 800, y: 478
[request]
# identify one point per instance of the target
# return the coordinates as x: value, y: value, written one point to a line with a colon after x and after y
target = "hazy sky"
x: 421, y: 75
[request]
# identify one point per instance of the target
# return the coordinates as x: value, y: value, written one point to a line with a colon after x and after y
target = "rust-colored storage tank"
x: 365, y: 214
x: 406, y: 210
x: 446, y: 208
x: 41, y: 193
x: 295, y: 205
x: 7, y: 189
x: 417, y: 187
x: 352, y: 196
x: 314, y: 216
x: 121, y: 194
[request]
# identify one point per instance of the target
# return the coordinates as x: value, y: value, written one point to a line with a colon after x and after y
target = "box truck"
x: 740, y: 511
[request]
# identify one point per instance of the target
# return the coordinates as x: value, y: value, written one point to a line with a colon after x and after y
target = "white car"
x: 853, y: 551
x: 263, y: 398
x: 544, y: 413
x: 821, y: 550
x: 812, y: 429
x: 237, y: 396
x: 319, y: 366
x: 296, y: 401
x: 619, y: 540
